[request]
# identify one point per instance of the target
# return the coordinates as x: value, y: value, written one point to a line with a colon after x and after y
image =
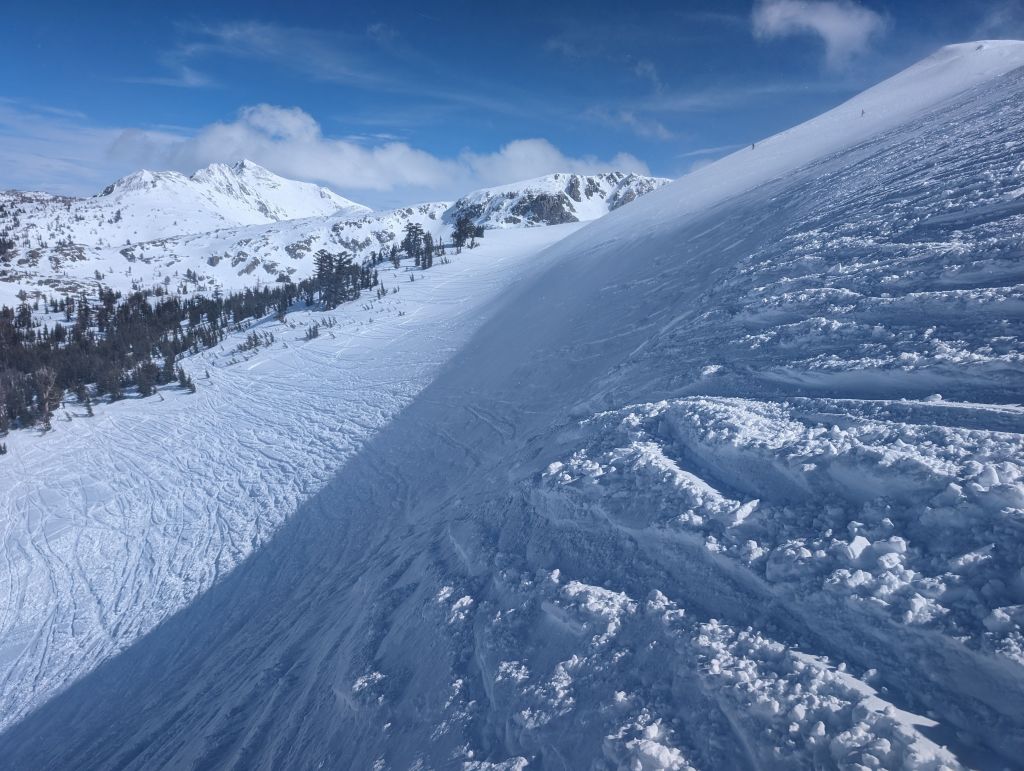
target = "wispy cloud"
x: 382, y: 33
x: 325, y: 55
x: 185, y: 77
x: 642, y: 125
x: 732, y: 96
x: 374, y: 59
x: 645, y: 69
x: 46, y: 148
x: 645, y: 116
x: 721, y: 18
x: 1001, y: 20
x: 845, y: 27
x: 597, y: 42
x: 705, y: 151
x: 563, y: 47
x: 330, y: 56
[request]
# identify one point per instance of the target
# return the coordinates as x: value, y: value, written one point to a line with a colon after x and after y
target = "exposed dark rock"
x: 546, y: 209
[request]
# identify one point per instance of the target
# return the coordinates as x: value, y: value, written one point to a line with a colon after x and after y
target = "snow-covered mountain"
x: 553, y: 199
x: 750, y: 498
x: 275, y: 231
x: 150, y: 205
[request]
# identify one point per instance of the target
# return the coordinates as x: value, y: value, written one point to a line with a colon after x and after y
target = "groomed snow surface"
x: 729, y: 478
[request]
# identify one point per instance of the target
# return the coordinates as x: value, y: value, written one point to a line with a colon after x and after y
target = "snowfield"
x: 731, y: 477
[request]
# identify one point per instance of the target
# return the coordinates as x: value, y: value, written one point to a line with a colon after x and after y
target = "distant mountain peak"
x: 553, y: 199
x: 149, y: 205
x: 139, y: 180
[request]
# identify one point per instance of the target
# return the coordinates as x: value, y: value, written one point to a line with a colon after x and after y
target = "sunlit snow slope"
x: 689, y: 497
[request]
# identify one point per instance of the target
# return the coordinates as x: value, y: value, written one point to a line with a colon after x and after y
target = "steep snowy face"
x: 271, y: 196
x: 553, y: 199
x: 149, y: 205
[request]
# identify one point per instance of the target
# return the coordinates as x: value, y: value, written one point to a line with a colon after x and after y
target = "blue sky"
x: 400, y: 102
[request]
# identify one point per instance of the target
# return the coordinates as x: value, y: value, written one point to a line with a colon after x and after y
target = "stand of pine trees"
x: 338, y: 279
x: 109, y: 344
x: 420, y: 245
x: 466, y: 232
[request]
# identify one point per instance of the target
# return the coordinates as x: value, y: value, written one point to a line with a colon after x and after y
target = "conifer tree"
x: 428, y: 251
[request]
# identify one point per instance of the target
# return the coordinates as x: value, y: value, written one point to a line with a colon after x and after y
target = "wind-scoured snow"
x: 732, y: 478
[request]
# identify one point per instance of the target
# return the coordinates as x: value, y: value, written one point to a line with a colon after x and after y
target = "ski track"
x: 679, y: 501
x: 103, y: 536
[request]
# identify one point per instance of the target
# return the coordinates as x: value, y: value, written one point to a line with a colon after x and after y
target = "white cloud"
x: 845, y: 27
x: 65, y: 155
x: 525, y: 158
x: 290, y: 141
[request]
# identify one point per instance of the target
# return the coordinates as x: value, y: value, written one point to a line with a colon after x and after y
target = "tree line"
x: 107, y: 345
x: 110, y: 344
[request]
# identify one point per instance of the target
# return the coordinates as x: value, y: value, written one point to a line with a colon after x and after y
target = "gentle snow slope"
x: 684, y: 500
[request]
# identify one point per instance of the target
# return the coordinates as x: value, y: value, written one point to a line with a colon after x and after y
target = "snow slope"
x: 686, y: 498
x: 112, y: 523
x: 149, y: 205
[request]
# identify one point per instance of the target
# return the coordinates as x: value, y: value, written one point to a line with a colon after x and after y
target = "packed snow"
x: 730, y: 477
